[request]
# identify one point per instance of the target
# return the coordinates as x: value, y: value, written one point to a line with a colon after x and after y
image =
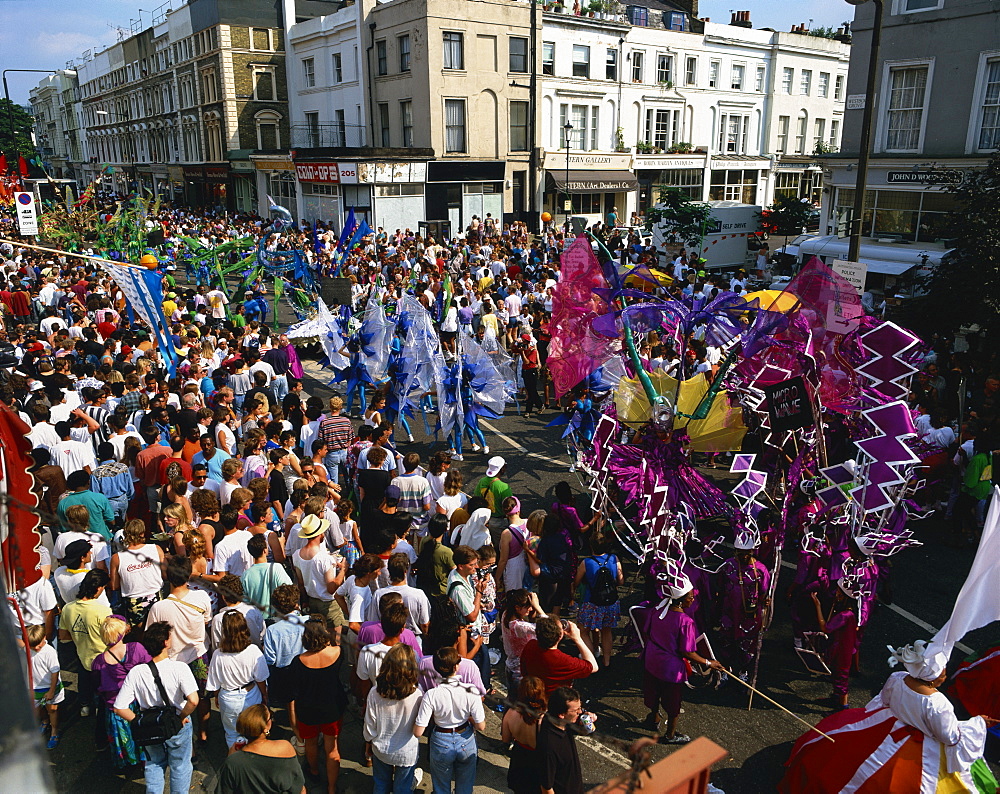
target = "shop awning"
x: 888, y: 268
x: 591, y: 181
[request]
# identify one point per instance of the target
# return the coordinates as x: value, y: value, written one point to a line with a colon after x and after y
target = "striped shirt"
x: 336, y: 432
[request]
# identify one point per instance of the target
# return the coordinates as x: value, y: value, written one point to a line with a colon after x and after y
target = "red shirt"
x: 554, y: 667
x: 183, y: 464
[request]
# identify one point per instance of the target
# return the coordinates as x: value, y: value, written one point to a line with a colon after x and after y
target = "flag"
x: 362, y: 231
x: 22, y: 165
x: 346, y: 232
x: 19, y: 536
x: 3, y: 164
x: 144, y: 290
x: 977, y: 604
x: 317, y: 246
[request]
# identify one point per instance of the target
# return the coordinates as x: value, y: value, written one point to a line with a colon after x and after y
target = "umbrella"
x: 774, y: 300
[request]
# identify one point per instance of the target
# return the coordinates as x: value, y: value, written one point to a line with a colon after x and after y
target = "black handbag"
x: 157, y: 724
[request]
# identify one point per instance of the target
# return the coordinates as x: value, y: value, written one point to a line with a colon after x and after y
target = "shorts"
x: 594, y: 617
x: 312, y: 731
x: 40, y: 694
x: 447, y: 336
x: 137, y: 609
x: 329, y: 609
x: 199, y: 669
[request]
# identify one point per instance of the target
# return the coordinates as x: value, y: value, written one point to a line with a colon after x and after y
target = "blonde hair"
x: 177, y: 511
x: 114, y: 377
x: 194, y: 543
x: 35, y: 635
x: 134, y: 532
x: 78, y: 517
x: 112, y: 630
x: 239, y: 496
x: 253, y: 720
x: 336, y: 402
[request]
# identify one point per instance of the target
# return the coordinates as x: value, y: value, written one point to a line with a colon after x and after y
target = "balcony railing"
x: 321, y: 136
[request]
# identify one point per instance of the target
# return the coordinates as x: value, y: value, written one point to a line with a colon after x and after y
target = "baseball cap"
x: 494, y: 465
x: 525, y: 337
x: 393, y: 493
x: 36, y: 347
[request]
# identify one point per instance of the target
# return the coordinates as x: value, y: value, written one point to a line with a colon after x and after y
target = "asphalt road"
x: 925, y: 582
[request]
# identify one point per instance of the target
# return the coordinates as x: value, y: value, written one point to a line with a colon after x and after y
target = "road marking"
x: 909, y: 616
x: 923, y: 624
x: 604, y: 751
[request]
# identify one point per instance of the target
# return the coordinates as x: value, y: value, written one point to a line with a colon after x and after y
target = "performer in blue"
x: 392, y: 387
x: 354, y: 375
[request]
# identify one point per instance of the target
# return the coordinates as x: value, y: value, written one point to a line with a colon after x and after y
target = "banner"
x: 143, y: 289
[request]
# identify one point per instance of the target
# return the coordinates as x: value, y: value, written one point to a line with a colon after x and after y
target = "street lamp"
x: 857, y: 214
x: 568, y: 202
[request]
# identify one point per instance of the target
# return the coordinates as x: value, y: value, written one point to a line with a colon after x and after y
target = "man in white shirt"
x: 416, y: 601
x: 43, y: 433
x: 70, y: 455
x: 231, y: 555
x: 217, y: 300
x: 143, y: 686
x: 319, y: 574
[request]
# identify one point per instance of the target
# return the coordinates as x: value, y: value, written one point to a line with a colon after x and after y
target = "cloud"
x: 62, y: 45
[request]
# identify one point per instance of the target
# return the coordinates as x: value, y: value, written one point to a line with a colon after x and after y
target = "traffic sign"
x: 27, y: 219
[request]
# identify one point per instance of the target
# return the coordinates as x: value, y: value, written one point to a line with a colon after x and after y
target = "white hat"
x: 747, y: 540
x: 867, y: 544
x: 36, y: 385
x: 313, y: 526
x: 849, y: 587
x: 494, y: 465
x: 920, y: 660
x: 680, y: 587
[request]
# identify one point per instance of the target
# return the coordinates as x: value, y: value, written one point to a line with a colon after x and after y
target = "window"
x: 312, y: 125
x: 263, y: 85
x: 664, y: 68
x: 260, y: 39
x: 611, y: 65
x: 823, y: 86
x: 786, y: 185
x: 517, y: 50
x: 309, y: 72
x: 800, y: 134
x: 713, y: 74
x: 834, y: 141
x: 454, y: 58
x: 637, y: 15
x: 909, y: 6
x: 787, y: 76
x: 661, y: 127
x: 733, y: 133
x: 918, y: 216
x: 907, y: 86
x: 406, y: 121
x: 213, y: 140
x: 758, y: 83
x: 689, y: 180
x: 735, y: 185
x: 548, y: 57
x: 690, y: 71
x: 518, y: 141
x: 637, y: 58
x: 403, y: 43
x: 382, y: 57
x: 781, y: 146
x: 594, y: 126
x: 736, y: 81
x: 454, y: 123
x: 989, y: 128
x: 579, y: 116
x: 268, y: 138
x: 838, y: 87
x: 209, y: 92
x: 678, y: 21
x: 339, y: 120
x: 383, y: 123
x: 581, y: 61
x: 805, y: 82
x: 819, y: 134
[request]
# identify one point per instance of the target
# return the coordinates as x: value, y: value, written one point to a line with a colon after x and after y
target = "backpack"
x: 604, y: 591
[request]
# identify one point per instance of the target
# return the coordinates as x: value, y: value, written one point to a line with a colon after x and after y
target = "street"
x: 925, y: 583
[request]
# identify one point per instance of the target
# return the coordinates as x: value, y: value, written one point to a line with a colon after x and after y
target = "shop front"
x: 275, y: 177
x: 739, y: 178
x: 797, y: 178
x: 458, y: 189
x: 323, y: 186
x: 399, y: 193
x: 207, y: 186
x: 589, y: 185
x: 686, y: 173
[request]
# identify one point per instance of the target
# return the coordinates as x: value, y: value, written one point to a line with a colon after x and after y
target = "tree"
x: 788, y: 215
x: 824, y: 33
x: 965, y: 289
x: 15, y: 130
x: 680, y: 219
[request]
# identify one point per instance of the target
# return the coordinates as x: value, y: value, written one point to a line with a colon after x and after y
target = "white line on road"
x: 517, y: 446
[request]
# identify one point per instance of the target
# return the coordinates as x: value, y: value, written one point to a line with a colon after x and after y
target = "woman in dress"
x: 454, y: 499
x: 388, y: 724
x: 111, y: 667
x: 517, y: 624
x: 906, y: 739
x: 668, y: 643
x: 262, y: 765
x: 318, y: 699
x: 597, y: 620
x: 520, y: 729
x: 237, y: 673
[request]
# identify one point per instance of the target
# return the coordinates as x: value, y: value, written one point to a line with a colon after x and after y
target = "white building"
x: 651, y: 103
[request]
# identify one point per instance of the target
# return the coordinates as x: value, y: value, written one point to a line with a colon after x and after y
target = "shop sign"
x: 318, y: 172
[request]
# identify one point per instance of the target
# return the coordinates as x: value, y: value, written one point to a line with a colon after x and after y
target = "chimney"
x: 741, y: 19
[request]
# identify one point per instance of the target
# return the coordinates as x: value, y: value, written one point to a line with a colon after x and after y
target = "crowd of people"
x: 216, y: 534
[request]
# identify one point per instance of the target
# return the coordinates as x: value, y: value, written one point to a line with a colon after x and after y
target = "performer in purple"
x: 840, y: 624
x: 700, y: 608
x: 742, y: 587
x: 812, y: 578
x: 669, y: 636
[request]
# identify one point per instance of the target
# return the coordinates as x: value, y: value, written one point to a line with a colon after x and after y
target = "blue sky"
x: 45, y: 34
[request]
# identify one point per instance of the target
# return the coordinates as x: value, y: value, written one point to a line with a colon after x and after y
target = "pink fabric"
x: 294, y: 365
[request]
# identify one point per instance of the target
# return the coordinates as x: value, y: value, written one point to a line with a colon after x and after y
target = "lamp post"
x: 567, y: 202
x: 858, y: 212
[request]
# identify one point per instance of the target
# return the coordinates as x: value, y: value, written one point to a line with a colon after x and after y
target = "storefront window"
x: 688, y: 180
x: 905, y: 214
x: 588, y: 203
x: 787, y: 184
x: 734, y: 185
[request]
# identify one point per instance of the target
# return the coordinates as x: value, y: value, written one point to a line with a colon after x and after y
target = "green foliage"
x: 824, y: 33
x: 788, y: 215
x: 15, y: 130
x: 965, y: 290
x: 680, y: 219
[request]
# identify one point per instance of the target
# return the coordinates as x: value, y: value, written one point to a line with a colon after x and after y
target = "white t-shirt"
x: 314, y: 573
x: 370, y: 661
x: 68, y: 583
x: 415, y: 600
x: 451, y: 704
x: 98, y: 545
x: 34, y: 600
x: 45, y: 667
x: 255, y: 623
x: 451, y: 503
x: 139, y: 570
x: 188, y: 617
x: 72, y: 456
x: 231, y: 555
x: 218, y: 300
x: 267, y: 369
x: 118, y: 442
x: 139, y: 685
x: 236, y: 670
x: 358, y: 598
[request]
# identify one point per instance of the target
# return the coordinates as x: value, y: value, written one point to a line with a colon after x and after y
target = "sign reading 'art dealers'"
x: 788, y: 405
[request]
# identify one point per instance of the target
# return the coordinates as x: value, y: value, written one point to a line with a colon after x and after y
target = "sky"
x: 45, y: 34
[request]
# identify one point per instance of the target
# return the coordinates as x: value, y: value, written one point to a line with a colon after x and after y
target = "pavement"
x: 925, y: 582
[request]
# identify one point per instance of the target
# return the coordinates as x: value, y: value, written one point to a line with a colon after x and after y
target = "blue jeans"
x: 280, y: 384
x: 231, y: 703
x: 391, y: 779
x: 482, y: 660
x: 175, y: 754
x: 453, y: 757
x: 334, y: 462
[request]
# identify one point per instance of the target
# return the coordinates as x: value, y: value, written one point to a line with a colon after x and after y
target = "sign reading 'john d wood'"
x: 788, y: 405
